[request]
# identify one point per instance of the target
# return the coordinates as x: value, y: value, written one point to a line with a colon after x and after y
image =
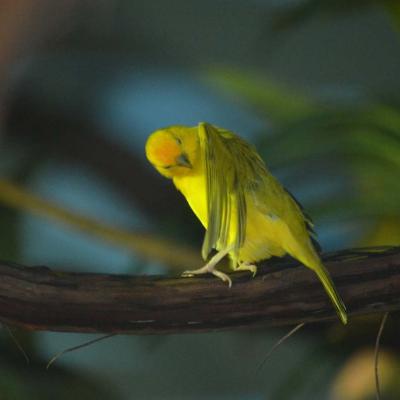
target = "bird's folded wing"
x: 233, y: 170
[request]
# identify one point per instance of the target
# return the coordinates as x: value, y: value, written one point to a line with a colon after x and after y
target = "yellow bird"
x: 247, y: 213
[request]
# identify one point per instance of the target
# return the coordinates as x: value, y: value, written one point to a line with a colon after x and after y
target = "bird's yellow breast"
x: 262, y: 232
x: 194, y: 188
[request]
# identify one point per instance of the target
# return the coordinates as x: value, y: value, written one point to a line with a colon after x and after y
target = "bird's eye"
x: 167, y: 166
x: 178, y: 140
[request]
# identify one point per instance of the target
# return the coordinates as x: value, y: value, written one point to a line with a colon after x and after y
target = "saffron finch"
x: 248, y: 215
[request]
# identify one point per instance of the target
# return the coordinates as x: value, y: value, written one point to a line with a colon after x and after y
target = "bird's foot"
x: 247, y: 267
x: 208, y: 269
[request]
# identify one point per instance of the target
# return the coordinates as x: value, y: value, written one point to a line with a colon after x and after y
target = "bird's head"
x: 173, y: 151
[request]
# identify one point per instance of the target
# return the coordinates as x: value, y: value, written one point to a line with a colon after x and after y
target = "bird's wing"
x: 274, y: 200
x: 233, y: 169
x: 235, y: 173
x: 308, y: 222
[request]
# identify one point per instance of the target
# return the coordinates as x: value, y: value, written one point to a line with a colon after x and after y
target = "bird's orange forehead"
x: 163, y: 149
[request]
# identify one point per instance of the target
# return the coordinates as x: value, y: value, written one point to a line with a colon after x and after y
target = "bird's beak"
x: 183, y: 161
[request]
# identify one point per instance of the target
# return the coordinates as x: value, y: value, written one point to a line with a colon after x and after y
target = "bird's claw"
x: 205, y: 270
x: 224, y: 277
x: 247, y: 267
x: 187, y: 274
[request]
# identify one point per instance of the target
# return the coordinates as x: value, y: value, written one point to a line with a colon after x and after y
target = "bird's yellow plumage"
x: 247, y: 213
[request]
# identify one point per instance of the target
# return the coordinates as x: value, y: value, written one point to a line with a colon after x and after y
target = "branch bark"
x: 282, y: 293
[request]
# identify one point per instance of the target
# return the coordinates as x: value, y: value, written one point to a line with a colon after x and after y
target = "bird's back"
x: 276, y: 224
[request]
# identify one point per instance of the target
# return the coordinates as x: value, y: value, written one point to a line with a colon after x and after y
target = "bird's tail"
x: 330, y: 289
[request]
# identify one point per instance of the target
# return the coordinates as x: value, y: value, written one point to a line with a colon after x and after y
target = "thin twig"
x: 278, y: 343
x: 17, y: 343
x: 377, y: 345
x: 70, y: 349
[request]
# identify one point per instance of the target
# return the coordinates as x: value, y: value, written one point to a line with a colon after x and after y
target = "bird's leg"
x: 243, y: 266
x: 210, y: 267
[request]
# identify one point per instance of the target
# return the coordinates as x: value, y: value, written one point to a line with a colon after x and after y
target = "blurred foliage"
x: 360, y: 142
x: 349, y: 146
x: 393, y: 8
x: 22, y: 381
x: 356, y: 379
x: 273, y: 101
x: 140, y: 243
x: 297, y: 13
x: 33, y: 384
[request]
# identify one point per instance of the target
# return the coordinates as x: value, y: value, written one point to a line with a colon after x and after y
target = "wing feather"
x: 218, y: 189
x: 233, y: 168
x: 236, y: 172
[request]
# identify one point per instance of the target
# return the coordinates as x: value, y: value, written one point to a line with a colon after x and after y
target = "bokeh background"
x: 314, y: 84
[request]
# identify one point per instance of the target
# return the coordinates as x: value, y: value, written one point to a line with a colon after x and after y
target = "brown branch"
x: 38, y: 298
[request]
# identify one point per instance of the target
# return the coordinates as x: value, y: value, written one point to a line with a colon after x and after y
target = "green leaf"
x: 274, y: 101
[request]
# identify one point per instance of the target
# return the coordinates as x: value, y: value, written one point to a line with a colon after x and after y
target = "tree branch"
x: 282, y: 293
